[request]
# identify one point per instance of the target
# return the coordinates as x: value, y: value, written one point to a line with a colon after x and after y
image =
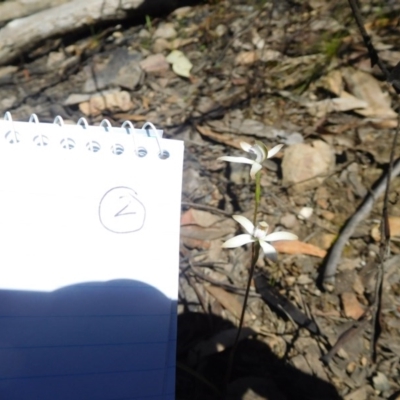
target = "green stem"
x: 257, y: 197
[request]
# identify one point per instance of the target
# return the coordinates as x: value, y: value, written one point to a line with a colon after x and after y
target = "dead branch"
x: 24, y: 34
x: 335, y: 252
x: 14, y: 9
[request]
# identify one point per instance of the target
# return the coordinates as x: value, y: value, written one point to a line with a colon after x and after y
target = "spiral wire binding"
x: 12, y: 131
x: 163, y: 154
x: 40, y: 140
x: 67, y: 143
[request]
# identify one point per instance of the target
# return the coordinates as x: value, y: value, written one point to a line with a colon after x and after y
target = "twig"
x: 384, y: 252
x: 384, y: 184
x: 333, y: 257
x: 206, y: 208
x: 373, y: 55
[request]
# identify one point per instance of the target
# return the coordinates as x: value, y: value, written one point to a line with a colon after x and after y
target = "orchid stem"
x: 257, y: 197
x: 255, y: 252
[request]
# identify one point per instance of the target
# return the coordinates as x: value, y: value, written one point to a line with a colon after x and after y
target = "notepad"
x: 89, y: 236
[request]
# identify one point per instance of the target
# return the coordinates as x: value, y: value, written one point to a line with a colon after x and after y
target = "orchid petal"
x: 246, y: 146
x: 274, y: 150
x: 242, y: 160
x: 261, y: 150
x: 238, y: 241
x: 272, y: 237
x: 246, y: 223
x: 254, y: 169
x: 269, y: 251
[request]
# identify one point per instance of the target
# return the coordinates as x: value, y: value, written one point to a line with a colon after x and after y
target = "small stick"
x: 333, y: 257
x: 347, y: 335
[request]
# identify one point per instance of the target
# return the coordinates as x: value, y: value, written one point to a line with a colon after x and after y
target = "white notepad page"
x: 89, y: 262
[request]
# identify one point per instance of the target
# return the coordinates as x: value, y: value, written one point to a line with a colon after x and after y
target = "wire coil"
x: 42, y: 140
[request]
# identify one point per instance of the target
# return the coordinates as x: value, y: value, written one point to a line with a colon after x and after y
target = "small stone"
x: 304, y: 279
x: 351, y: 367
x: 165, y: 31
x: 342, y: 353
x: 246, y: 58
x: 328, y: 215
x: 220, y: 30
x: 8, y: 102
x: 181, y: 12
x: 161, y: 45
x: 358, y: 286
x: 323, y: 203
x: 129, y: 76
x: 55, y: 59
x: 117, y: 35
x: 329, y: 287
x: 305, y: 166
x: 290, y: 280
x: 380, y: 382
x: 351, y: 307
x: 294, y: 138
x: 155, y: 63
x: 144, y: 34
x: 288, y: 221
x: 305, y: 213
x: 364, y: 361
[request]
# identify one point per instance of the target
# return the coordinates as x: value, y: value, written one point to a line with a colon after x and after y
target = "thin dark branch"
x: 206, y: 208
x: 384, y: 252
x: 254, y: 258
x: 333, y: 257
x: 373, y: 54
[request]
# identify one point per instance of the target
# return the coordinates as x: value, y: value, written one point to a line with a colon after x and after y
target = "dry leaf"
x: 394, y: 224
x: 246, y: 58
x: 130, y: 117
x: 233, y: 141
x: 228, y: 301
x: 201, y: 218
x: 365, y: 87
x: 180, y: 63
x: 297, y: 247
x: 323, y: 107
x: 111, y: 101
x: 351, y: 307
x: 198, y: 228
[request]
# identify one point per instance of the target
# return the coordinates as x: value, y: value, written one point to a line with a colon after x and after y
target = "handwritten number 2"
x: 121, y: 211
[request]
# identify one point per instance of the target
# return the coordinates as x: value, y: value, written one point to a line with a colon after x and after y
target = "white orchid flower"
x: 261, y: 152
x: 258, y: 234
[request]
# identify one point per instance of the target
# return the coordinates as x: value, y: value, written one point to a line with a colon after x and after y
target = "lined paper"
x: 90, y: 247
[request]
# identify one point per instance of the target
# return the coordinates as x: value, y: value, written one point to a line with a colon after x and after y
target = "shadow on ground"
x: 257, y: 372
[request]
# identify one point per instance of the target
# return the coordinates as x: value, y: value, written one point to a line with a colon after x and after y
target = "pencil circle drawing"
x: 120, y: 211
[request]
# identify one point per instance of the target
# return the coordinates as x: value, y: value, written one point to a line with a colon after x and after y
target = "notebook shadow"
x: 97, y: 340
x: 256, y: 368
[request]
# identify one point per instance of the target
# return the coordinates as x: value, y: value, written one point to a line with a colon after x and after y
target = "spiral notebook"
x: 89, y: 236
